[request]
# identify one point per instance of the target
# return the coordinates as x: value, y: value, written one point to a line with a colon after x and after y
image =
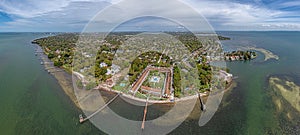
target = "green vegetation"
x: 176, y: 81
x: 148, y: 58
x: 156, y: 85
x: 188, y: 39
x: 240, y: 55
x: 79, y: 84
x: 205, y: 75
x: 223, y: 38
x: 90, y: 85
x: 60, y: 49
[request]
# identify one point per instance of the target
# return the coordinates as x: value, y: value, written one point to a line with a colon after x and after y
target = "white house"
x: 103, y: 65
x: 113, y: 70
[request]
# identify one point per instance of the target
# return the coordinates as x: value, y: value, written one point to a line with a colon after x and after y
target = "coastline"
x: 232, y: 85
x: 63, y: 78
x: 65, y: 81
x: 268, y: 54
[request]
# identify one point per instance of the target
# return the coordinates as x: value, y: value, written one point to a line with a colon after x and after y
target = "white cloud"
x: 32, y: 8
x: 72, y: 15
x: 228, y: 15
x: 290, y: 4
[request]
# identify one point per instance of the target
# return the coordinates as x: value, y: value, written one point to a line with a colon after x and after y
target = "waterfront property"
x: 149, y: 83
x: 226, y: 76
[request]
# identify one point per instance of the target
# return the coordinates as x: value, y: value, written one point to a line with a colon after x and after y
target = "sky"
x: 74, y: 15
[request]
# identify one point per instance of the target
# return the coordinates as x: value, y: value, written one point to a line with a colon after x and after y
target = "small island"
x: 268, y: 54
x: 240, y: 55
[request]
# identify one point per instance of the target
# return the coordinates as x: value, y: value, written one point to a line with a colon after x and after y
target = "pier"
x: 49, y: 68
x: 37, y: 52
x: 145, y: 113
x: 54, y: 71
x: 202, y: 105
x: 81, y: 119
x: 45, y: 63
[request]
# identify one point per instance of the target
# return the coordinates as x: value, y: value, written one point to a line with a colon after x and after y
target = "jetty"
x: 145, y: 113
x: 81, y: 119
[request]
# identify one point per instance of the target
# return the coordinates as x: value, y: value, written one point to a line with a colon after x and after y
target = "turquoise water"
x: 32, y: 102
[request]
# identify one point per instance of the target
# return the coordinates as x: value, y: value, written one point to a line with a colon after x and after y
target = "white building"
x: 113, y: 70
x: 103, y: 65
x: 227, y: 76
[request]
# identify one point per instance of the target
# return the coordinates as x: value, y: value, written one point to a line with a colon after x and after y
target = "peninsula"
x: 153, y: 74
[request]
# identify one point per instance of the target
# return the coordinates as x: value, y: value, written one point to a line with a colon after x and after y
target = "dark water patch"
x: 133, y: 112
x: 288, y: 76
x: 229, y: 119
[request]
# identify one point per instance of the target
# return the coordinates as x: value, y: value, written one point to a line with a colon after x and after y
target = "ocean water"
x: 32, y: 102
x: 249, y: 108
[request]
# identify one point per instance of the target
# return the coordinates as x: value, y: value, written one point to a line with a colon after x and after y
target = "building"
x: 164, y: 92
x: 103, y: 65
x: 227, y: 76
x: 113, y: 70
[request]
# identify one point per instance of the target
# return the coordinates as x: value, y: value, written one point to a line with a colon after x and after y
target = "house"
x: 113, y: 70
x: 227, y: 76
x: 232, y: 58
x: 57, y: 51
x: 103, y: 65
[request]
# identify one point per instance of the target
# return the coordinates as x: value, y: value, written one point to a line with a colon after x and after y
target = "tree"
x: 58, y: 63
x: 51, y: 55
x: 177, y: 82
x: 90, y: 85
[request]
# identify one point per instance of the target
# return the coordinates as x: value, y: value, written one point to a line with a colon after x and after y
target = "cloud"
x: 290, y: 4
x: 51, y: 16
x: 32, y: 8
x: 73, y: 15
x: 232, y: 15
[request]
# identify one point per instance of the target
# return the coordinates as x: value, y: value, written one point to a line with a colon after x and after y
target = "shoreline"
x: 268, y: 54
x: 65, y: 81
x: 63, y: 78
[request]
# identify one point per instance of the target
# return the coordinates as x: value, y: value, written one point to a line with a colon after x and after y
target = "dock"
x: 46, y: 69
x: 37, y: 52
x: 202, y: 105
x: 145, y: 113
x: 54, y: 71
x: 81, y: 119
x: 45, y: 63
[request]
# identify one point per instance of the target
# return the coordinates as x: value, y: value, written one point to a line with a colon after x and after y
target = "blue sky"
x: 73, y: 15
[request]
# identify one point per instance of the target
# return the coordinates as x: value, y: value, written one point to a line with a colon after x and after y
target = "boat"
x: 81, y: 118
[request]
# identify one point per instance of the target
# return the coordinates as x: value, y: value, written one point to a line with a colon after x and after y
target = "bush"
x: 58, y: 63
x: 90, y: 85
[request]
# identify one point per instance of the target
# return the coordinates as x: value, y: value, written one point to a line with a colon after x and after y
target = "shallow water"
x: 32, y: 102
